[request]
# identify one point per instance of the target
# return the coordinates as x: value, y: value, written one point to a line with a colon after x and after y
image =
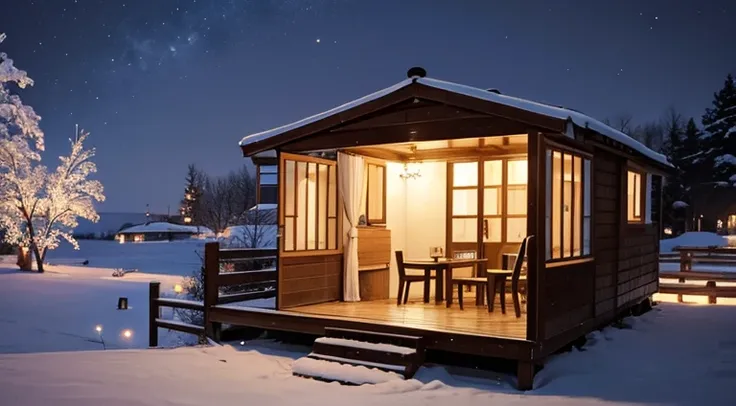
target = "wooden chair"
x: 406, y: 280
x: 495, y: 279
x: 518, y: 279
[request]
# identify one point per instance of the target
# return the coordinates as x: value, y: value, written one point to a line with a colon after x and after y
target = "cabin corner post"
x: 536, y: 227
x: 154, y: 292
x: 280, y: 184
x: 211, y: 288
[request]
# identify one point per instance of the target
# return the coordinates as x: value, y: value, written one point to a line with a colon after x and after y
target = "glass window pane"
x: 268, y: 169
x: 567, y: 207
x: 556, y: 204
x: 586, y: 236
x: 493, y: 173
x: 515, y: 229
x: 289, y: 188
x: 375, y: 192
x: 586, y: 187
x: 311, y: 206
x: 464, y: 230
x: 516, y: 200
x: 492, y: 201
x: 332, y: 197
x: 548, y: 208
x: 464, y: 202
x: 633, y: 195
x: 301, y: 206
x: 322, y: 206
x: 289, y: 234
x: 268, y: 179
x: 517, y: 172
x: 332, y: 233
x: 465, y: 174
x: 492, y: 230
x: 577, y: 204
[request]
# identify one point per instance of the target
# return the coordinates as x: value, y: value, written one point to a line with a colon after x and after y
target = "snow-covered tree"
x: 37, y: 207
x: 719, y: 132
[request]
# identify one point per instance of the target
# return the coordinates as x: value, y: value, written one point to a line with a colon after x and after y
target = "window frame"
x: 583, y: 158
x: 284, y: 217
x: 642, y: 192
x: 380, y: 220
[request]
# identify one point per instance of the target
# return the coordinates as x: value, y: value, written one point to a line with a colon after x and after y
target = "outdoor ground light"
x: 122, y: 303
x: 127, y: 333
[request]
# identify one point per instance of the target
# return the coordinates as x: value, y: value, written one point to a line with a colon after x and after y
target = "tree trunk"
x: 34, y: 247
x: 39, y: 258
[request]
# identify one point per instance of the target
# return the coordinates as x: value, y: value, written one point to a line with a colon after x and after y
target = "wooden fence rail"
x: 242, y: 283
x: 156, y: 302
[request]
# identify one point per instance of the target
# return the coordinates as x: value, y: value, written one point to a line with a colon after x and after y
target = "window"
x: 567, y: 219
x: 376, y: 194
x: 465, y: 202
x: 310, y: 205
x: 634, y: 196
x: 516, y: 178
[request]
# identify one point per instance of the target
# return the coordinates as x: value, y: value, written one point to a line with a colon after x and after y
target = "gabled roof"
x: 540, y: 109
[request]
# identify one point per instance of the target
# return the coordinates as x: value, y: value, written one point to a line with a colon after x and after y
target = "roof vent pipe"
x: 416, y: 72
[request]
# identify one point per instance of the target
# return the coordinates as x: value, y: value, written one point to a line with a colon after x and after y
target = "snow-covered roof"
x: 561, y: 113
x: 264, y: 206
x: 163, y: 227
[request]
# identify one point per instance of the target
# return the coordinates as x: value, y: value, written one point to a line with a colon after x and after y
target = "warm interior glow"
x: 465, y: 174
x: 178, y: 288
x: 634, y: 196
x: 568, y: 205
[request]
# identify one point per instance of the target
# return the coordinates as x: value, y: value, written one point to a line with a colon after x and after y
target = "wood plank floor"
x: 416, y: 314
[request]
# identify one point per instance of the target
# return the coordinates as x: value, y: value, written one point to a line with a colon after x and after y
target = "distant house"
x: 162, y: 231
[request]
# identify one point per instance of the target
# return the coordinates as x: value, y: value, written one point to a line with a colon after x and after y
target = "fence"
x: 249, y: 273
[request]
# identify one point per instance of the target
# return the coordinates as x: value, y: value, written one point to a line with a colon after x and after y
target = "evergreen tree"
x: 674, y: 189
x: 719, y: 133
x: 192, y: 195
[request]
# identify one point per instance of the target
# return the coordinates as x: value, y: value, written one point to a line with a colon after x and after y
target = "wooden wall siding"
x: 606, y: 219
x: 569, y: 296
x: 638, y: 265
x: 310, y: 279
x: 374, y: 246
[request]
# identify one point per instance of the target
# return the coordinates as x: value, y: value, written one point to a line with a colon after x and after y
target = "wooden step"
x: 389, y: 352
x: 376, y: 337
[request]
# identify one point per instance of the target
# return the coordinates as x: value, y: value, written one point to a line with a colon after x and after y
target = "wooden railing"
x: 252, y: 275
x: 156, y: 302
x: 687, y: 256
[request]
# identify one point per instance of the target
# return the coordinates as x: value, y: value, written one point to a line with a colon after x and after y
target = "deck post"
x: 211, y: 287
x: 154, y: 291
x: 525, y: 375
x: 712, y: 294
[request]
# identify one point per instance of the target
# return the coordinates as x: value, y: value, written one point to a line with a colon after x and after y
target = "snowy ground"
x: 59, y: 310
x: 674, y: 355
x: 169, y: 258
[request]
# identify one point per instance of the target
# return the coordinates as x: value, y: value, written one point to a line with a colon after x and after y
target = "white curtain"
x: 350, y: 177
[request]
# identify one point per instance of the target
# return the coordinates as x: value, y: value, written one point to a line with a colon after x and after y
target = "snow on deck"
x: 561, y: 113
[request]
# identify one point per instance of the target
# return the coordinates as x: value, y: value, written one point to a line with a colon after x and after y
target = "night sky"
x: 164, y: 83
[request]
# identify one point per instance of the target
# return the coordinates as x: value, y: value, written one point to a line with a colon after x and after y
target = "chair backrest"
x: 520, y: 259
x: 400, y: 263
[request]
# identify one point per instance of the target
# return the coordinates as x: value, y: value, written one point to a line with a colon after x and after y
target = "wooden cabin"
x: 456, y: 178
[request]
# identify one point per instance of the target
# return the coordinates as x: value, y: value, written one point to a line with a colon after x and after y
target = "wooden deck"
x: 428, y: 316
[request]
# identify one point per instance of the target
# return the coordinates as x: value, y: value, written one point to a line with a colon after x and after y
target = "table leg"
x: 439, y: 285
x: 427, y: 280
x: 502, y: 285
x: 448, y: 286
x: 492, y: 296
x: 480, y: 292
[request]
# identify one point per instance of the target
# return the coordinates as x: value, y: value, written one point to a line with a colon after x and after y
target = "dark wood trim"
x: 535, y: 225
x: 468, y: 128
x: 281, y: 224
